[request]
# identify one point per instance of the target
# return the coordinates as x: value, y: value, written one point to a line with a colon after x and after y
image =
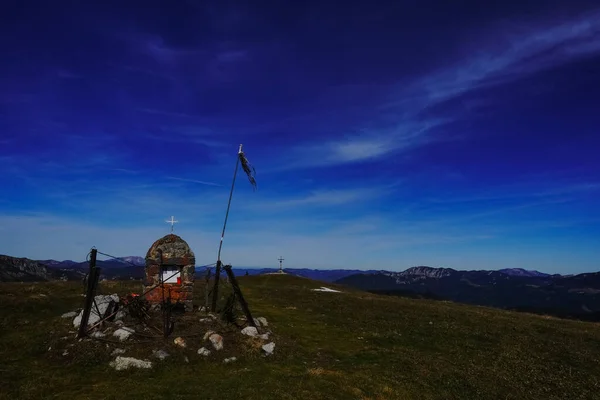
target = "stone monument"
x: 170, y: 269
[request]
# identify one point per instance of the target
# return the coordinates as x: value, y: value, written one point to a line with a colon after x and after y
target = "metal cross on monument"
x: 172, y: 222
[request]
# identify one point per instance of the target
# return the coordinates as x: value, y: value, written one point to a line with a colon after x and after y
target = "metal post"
x: 239, y: 295
x: 89, y: 296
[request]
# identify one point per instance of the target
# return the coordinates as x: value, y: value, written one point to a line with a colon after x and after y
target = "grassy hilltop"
x: 351, y: 345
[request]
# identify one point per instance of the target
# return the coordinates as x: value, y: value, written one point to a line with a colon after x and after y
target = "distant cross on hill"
x: 280, y: 259
x: 172, y: 222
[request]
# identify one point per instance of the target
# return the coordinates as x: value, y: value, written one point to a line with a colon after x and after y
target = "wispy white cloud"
x: 503, y: 57
x: 512, y: 54
x: 194, y: 181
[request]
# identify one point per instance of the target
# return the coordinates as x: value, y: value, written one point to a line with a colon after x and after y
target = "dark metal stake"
x: 239, y: 295
x: 89, y: 296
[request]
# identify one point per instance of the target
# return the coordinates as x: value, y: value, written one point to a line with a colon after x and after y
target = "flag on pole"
x: 247, y: 167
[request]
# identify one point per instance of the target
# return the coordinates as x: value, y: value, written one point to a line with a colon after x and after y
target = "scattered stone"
x: 116, y: 352
x: 186, y: 359
x: 97, y: 334
x: 71, y: 314
x: 202, y: 309
x: 119, y: 322
x: 65, y: 353
x: 49, y: 348
x: 207, y: 334
x: 250, y: 331
x: 179, y: 341
x: 268, y: 348
x: 205, y: 319
x: 217, y: 341
x: 64, y: 338
x: 120, y: 315
x: 160, y: 354
x: 262, y: 320
x: 106, y: 304
x: 121, y: 363
x: 430, y: 323
x: 203, y: 351
x: 123, y: 333
x: 264, y: 336
x: 230, y: 359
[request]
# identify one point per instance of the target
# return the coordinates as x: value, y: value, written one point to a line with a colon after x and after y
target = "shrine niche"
x: 170, y: 269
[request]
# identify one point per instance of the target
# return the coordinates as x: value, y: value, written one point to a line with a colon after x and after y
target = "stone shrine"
x: 170, y: 261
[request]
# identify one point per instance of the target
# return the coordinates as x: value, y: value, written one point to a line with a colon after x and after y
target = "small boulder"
x: 207, y: 334
x: 179, y: 341
x: 203, y: 351
x: 250, y: 331
x: 121, y: 363
x: 71, y: 314
x: 123, y: 333
x: 120, y: 314
x: 268, y: 348
x: 262, y: 320
x: 160, y: 354
x: 217, y: 341
x: 97, y: 334
x: 116, y: 352
x: 264, y: 336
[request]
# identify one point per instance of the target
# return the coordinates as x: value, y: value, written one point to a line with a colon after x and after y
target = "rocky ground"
x: 134, y: 342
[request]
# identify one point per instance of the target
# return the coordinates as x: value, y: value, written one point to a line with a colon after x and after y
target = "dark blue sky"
x: 384, y: 134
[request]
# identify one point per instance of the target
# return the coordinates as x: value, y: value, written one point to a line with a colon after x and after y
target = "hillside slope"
x: 568, y: 297
x: 14, y: 269
x: 349, y: 345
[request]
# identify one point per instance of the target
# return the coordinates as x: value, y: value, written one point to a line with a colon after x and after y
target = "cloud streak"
x: 510, y: 57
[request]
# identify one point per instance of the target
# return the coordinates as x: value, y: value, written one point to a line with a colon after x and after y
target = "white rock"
x: 262, y: 320
x: 160, y: 354
x: 217, y: 341
x: 264, y: 336
x: 268, y: 348
x: 65, y: 353
x: 116, y: 352
x: 179, y: 341
x: 104, y: 303
x: 203, y: 351
x: 123, y: 333
x: 97, y: 334
x: 207, y: 334
x: 120, y: 314
x: 250, y: 331
x: 205, y: 319
x: 121, y: 363
x: 186, y: 359
x: 228, y: 360
x: 71, y: 314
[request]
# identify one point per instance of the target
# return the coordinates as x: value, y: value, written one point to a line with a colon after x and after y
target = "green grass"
x: 351, y: 345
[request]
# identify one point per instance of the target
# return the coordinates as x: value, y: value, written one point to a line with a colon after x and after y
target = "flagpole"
x: 218, y: 267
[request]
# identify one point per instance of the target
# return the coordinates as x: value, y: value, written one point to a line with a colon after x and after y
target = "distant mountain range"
x: 573, y: 296
x: 569, y: 296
